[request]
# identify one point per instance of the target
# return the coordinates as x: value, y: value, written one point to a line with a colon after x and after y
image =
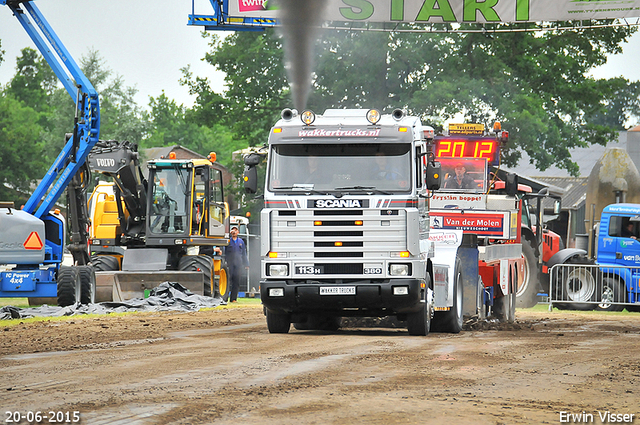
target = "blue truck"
x: 608, y: 280
x: 32, y: 238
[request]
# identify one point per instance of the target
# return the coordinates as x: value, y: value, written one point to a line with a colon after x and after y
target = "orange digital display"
x: 460, y: 148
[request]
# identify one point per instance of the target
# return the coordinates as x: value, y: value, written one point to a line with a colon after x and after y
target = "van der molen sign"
x: 449, y: 11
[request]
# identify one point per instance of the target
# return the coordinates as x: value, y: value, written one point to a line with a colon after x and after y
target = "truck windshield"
x: 328, y: 167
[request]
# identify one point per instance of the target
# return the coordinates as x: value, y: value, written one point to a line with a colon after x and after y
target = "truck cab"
x: 618, y: 235
x: 345, y: 225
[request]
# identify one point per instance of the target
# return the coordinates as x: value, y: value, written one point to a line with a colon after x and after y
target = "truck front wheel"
x: 418, y: 323
x: 278, y: 323
x: 612, y: 291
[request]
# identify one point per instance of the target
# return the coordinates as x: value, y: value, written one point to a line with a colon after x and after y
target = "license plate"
x: 337, y: 290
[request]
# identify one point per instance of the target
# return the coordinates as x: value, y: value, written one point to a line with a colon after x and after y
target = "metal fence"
x: 594, y: 287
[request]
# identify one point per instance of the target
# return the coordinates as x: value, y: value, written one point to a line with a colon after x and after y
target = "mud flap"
x: 468, y: 254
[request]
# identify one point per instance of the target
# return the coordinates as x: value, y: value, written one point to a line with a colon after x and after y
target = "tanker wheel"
x: 612, y: 291
x: 105, y: 263
x: 451, y: 321
x: 200, y: 263
x: 278, y: 323
x: 223, y: 283
x: 527, y: 293
x: 68, y: 286
x: 87, y: 284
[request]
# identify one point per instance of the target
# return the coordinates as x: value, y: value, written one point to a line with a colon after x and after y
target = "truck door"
x: 217, y: 211
x: 620, y: 245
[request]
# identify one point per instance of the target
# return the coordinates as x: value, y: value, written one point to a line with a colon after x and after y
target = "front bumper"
x: 371, y: 298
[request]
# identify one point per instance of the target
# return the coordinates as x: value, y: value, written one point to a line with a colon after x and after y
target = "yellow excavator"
x: 164, y: 227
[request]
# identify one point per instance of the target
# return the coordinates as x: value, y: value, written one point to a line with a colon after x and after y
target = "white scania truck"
x: 345, y: 229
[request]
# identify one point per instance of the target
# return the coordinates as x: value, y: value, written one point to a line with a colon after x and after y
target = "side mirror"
x: 250, y: 179
x: 434, y: 175
x: 252, y: 159
x: 511, y: 184
x: 557, y: 206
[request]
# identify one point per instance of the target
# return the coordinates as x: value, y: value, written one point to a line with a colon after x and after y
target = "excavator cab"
x: 186, y: 203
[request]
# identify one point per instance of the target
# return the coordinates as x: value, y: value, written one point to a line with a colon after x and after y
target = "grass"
x: 15, y: 302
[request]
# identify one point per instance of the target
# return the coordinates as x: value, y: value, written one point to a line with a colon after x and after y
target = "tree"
x: 257, y: 86
x: 120, y: 116
x: 171, y: 125
x: 20, y: 148
x: 34, y: 80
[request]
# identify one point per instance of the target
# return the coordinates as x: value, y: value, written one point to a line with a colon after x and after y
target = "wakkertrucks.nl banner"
x: 442, y: 11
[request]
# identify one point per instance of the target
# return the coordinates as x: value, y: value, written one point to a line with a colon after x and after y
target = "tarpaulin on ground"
x: 168, y: 296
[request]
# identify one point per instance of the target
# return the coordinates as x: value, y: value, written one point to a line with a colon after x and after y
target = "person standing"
x: 236, y: 256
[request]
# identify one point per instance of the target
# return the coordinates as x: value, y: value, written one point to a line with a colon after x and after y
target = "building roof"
x: 575, y: 190
x: 586, y: 158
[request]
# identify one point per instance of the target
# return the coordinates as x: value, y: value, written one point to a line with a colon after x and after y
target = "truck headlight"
x: 278, y: 270
x: 399, y: 269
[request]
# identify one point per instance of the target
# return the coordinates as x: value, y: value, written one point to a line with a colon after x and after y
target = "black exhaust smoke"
x: 300, y: 23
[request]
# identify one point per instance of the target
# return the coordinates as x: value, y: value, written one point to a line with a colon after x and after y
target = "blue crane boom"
x: 87, y: 120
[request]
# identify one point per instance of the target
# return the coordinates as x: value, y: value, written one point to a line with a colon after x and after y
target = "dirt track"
x: 222, y: 366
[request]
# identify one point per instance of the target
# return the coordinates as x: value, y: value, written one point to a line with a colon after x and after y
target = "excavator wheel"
x: 68, y: 286
x: 223, y: 283
x: 105, y: 263
x: 201, y: 263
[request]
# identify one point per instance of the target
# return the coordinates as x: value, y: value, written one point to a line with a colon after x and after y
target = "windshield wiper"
x: 364, y: 188
x: 302, y: 188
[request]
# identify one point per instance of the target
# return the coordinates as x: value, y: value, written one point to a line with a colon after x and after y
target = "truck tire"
x: 481, y: 305
x: 504, y: 308
x: 527, y: 293
x: 578, y: 286
x: 611, y: 291
x: 451, y: 321
x: 87, y: 284
x: 203, y: 263
x: 68, y: 286
x: 419, y: 323
x: 278, y: 323
x: 105, y: 263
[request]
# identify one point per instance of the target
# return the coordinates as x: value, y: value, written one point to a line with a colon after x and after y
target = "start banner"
x: 451, y: 11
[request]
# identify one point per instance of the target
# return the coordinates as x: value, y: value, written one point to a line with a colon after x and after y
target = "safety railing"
x: 594, y: 287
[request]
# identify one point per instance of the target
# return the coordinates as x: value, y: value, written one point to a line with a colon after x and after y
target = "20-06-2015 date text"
x: 41, y: 417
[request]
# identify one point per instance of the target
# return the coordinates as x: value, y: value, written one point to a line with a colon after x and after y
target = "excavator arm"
x: 121, y: 162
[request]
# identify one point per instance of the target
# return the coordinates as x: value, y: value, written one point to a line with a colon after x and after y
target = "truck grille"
x: 352, y: 238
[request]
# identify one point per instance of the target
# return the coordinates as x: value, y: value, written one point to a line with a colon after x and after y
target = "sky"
x: 148, y: 41
x: 144, y: 41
